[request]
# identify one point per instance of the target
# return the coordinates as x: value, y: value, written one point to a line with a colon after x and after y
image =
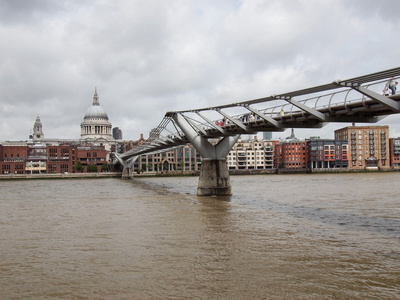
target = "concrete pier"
x: 127, y: 173
x: 214, y: 179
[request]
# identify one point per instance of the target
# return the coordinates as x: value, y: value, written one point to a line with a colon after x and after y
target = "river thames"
x: 308, y: 236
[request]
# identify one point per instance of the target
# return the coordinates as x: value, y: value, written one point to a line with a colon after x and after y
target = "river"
x: 306, y: 236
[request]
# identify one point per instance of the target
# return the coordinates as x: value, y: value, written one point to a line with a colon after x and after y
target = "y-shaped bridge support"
x: 214, y: 174
x: 127, y: 172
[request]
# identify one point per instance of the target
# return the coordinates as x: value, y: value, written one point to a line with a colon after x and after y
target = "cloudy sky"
x: 149, y: 57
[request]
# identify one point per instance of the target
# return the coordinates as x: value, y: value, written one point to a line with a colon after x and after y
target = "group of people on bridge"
x: 245, y: 118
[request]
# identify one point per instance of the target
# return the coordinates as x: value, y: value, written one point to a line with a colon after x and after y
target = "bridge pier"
x: 127, y: 172
x: 214, y: 178
x: 214, y: 175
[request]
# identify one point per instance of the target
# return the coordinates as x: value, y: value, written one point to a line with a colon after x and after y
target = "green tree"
x: 91, y: 168
x: 78, y: 166
x: 105, y: 167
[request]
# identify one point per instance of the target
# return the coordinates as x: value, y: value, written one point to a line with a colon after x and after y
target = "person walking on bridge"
x: 393, y: 86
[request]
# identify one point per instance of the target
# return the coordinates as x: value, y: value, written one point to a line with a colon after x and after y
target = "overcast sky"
x: 150, y: 57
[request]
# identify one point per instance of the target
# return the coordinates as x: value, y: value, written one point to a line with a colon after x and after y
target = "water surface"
x: 333, y: 236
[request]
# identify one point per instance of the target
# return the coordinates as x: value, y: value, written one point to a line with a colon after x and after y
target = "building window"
x: 53, y: 152
x: 64, y: 152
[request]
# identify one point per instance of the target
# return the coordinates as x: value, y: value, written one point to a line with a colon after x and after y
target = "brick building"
x: 60, y: 158
x: 39, y: 158
x: 368, y: 146
x: 291, y: 153
x: 90, y: 156
x: 13, y: 158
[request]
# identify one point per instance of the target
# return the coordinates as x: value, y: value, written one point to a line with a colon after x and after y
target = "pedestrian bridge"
x: 213, y: 131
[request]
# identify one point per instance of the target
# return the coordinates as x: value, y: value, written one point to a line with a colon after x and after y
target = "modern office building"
x: 394, y: 144
x: 267, y: 135
x: 117, y: 133
x: 327, y: 154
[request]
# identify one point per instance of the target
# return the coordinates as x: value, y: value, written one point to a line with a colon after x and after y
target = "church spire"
x: 292, y: 136
x: 95, y: 97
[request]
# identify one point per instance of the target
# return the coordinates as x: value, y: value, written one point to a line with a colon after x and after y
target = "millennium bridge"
x: 213, y: 131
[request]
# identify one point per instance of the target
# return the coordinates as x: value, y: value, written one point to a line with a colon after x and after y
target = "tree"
x: 78, y: 167
x: 105, y: 167
x: 91, y: 168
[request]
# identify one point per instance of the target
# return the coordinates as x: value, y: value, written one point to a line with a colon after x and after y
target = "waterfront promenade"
x: 61, y: 175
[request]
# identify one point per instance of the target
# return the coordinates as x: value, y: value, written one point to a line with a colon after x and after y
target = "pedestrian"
x: 251, y: 117
x: 393, y: 86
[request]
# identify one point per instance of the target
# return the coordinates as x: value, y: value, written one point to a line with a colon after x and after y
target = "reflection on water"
x: 278, y: 237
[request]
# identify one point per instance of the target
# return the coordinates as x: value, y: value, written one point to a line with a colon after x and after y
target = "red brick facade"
x: 95, y: 156
x: 59, y: 159
x: 13, y: 159
x: 291, y: 154
x: 40, y: 158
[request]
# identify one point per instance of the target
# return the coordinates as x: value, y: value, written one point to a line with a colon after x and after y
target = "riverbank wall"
x: 61, y: 176
x: 180, y: 173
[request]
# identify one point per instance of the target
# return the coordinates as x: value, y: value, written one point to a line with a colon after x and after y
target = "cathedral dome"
x: 96, y: 111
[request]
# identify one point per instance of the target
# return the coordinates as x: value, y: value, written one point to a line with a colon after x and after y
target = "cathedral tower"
x: 37, y: 129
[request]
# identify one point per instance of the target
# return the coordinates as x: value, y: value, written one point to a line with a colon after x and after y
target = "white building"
x: 251, y: 155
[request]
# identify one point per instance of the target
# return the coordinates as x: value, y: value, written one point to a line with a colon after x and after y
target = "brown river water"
x: 327, y: 236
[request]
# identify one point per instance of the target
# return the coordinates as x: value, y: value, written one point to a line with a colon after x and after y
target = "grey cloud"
x: 24, y: 12
x: 147, y: 57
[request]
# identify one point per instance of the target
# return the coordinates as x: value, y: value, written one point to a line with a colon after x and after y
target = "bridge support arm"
x: 127, y: 171
x: 263, y: 116
x: 202, y: 145
x: 214, y: 174
x: 393, y: 105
